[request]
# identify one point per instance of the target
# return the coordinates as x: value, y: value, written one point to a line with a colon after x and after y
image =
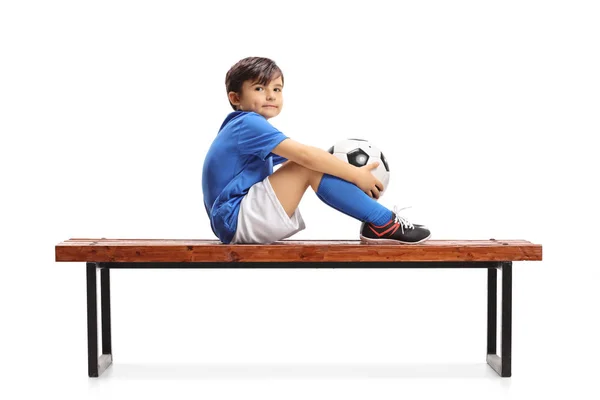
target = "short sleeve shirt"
x: 239, y: 157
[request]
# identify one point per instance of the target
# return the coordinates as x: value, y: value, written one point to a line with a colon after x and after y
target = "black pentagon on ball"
x: 385, y: 164
x: 330, y: 150
x: 357, y: 157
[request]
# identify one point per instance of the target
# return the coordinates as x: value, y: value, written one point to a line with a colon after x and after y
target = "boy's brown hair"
x: 258, y: 69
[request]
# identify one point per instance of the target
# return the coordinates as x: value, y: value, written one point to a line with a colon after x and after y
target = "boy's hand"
x: 367, y: 182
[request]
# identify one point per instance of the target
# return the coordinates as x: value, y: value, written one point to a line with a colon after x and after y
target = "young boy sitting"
x: 249, y: 203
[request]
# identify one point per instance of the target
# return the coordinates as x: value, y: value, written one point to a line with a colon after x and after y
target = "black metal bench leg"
x: 500, y: 363
x: 97, y: 365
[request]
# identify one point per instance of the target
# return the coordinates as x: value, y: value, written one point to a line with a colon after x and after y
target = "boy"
x: 249, y: 203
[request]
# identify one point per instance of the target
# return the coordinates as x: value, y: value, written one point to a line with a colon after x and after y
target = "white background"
x: 486, y: 110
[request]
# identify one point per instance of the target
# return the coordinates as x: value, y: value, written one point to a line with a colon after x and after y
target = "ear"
x: 234, y: 98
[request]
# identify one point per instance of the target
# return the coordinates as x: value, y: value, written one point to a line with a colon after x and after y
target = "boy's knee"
x: 296, y: 167
x: 312, y: 177
x: 307, y: 170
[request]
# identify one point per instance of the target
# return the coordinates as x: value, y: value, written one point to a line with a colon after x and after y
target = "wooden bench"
x: 107, y: 254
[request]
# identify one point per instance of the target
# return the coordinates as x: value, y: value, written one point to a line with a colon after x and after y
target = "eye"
x: 258, y: 88
x: 278, y: 89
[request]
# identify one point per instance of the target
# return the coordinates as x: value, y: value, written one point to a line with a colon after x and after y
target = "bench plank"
x: 195, y: 250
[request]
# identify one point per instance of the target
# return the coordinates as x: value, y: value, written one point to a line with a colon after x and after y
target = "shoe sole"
x: 367, y: 240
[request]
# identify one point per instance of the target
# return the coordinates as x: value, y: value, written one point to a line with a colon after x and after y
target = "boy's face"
x: 266, y: 100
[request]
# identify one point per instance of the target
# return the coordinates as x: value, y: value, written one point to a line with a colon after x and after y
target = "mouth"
x: 271, y: 106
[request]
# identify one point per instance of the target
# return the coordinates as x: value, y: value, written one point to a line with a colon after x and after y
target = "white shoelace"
x: 401, y: 220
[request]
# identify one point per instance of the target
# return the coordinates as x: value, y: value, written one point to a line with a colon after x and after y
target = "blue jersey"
x: 239, y: 157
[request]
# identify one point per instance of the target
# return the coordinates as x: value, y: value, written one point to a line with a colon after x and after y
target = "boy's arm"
x: 315, y: 159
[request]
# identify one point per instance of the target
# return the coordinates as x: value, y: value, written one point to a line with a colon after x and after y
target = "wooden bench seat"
x: 106, y: 254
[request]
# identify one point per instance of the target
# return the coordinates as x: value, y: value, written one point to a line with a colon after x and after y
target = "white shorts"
x: 262, y: 218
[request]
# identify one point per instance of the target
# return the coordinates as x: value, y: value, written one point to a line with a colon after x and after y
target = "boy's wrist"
x: 352, y: 173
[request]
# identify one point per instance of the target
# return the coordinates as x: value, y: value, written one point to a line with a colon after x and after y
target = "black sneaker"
x: 397, y: 231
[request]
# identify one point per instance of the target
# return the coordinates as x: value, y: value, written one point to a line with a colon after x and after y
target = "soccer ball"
x: 360, y: 152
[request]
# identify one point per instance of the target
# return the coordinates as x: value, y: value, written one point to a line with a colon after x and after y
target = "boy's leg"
x: 290, y: 182
x: 380, y: 225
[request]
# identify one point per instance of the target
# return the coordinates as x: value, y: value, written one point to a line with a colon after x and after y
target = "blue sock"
x: 346, y: 197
